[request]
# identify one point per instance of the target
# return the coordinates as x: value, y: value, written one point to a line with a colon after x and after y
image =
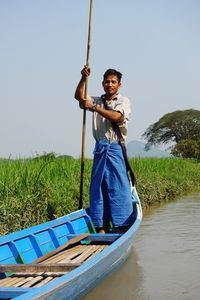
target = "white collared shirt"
x: 102, y: 127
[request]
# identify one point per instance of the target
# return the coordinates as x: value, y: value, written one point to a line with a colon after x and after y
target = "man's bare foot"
x: 102, y: 231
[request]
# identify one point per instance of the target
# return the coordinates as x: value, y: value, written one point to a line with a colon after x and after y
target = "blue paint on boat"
x: 29, y: 244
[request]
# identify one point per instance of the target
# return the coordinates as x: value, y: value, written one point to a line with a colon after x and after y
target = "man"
x: 110, y: 195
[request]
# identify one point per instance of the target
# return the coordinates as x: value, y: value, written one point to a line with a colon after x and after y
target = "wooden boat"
x: 63, y: 258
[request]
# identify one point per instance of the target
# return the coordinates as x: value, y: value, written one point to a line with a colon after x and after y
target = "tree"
x: 187, y: 149
x: 182, y: 128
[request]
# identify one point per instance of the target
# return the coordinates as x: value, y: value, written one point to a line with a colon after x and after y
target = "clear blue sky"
x: 155, y: 44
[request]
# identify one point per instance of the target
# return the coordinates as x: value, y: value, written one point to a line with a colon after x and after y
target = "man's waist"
x: 109, y: 141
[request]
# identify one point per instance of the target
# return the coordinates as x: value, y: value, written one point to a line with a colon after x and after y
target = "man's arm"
x: 80, y: 90
x: 112, y: 115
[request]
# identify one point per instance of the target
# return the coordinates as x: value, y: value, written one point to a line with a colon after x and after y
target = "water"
x: 165, y: 260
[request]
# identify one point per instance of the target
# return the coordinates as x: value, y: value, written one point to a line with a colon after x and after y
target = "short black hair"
x: 112, y: 72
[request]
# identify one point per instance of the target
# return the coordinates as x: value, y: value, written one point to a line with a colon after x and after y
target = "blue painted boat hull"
x: 27, y: 245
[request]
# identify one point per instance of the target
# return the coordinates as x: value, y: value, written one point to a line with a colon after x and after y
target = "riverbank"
x: 33, y: 191
x: 165, y: 179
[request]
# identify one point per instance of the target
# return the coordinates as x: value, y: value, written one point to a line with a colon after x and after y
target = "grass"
x: 33, y: 191
x: 165, y: 178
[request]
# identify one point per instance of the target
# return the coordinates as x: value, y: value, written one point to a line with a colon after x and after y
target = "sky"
x: 155, y: 44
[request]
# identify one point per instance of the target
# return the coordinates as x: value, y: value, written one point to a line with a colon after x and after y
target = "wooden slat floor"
x: 77, y: 254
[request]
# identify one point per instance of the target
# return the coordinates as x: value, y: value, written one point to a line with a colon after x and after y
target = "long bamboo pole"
x: 84, y: 112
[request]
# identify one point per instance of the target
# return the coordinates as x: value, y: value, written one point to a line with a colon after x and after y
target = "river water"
x: 165, y: 260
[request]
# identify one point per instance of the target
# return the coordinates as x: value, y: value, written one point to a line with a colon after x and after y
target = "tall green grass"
x: 36, y: 190
x: 165, y: 178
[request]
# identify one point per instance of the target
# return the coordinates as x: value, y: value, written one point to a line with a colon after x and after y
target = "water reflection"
x: 168, y: 247
x: 123, y: 284
x: 165, y: 261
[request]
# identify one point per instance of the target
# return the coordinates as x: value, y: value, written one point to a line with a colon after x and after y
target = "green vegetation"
x: 165, y: 179
x: 182, y: 128
x: 33, y: 191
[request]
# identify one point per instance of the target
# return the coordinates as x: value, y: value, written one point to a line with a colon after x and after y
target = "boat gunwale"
x: 10, y: 237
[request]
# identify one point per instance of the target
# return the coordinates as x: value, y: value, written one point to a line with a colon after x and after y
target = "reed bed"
x: 36, y: 190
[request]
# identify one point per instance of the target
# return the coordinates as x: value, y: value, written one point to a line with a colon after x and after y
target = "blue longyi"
x: 110, y: 194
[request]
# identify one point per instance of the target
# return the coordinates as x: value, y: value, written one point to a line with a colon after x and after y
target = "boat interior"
x: 38, y: 255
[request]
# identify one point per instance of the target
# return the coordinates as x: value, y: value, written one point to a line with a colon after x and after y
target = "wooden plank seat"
x: 75, y: 239
x: 42, y: 267
x: 38, y: 274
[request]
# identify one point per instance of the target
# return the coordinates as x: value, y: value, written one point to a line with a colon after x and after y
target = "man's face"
x: 111, y: 85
